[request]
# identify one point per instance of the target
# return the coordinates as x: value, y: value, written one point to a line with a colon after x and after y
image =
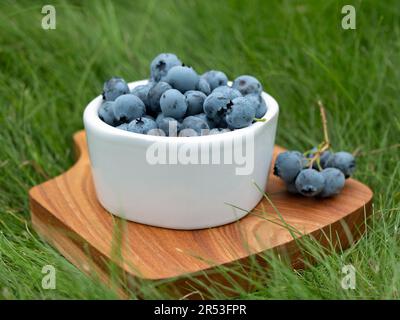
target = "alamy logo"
x: 349, y: 20
x: 238, y: 151
x: 49, y: 278
x: 349, y: 280
x: 49, y: 20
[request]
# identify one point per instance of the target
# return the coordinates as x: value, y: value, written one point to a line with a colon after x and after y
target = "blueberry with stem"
x: 310, y: 182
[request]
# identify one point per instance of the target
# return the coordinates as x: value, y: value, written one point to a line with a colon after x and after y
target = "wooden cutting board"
x: 66, y: 213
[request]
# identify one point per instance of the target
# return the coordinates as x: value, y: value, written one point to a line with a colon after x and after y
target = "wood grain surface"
x: 66, y: 213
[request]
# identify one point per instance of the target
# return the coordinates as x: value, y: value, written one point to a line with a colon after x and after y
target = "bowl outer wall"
x: 178, y: 196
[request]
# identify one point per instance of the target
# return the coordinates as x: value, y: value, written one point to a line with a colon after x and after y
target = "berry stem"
x: 325, y: 145
x: 324, y: 122
x: 260, y: 119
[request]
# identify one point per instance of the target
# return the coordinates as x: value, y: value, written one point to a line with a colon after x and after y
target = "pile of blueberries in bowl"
x: 178, y: 102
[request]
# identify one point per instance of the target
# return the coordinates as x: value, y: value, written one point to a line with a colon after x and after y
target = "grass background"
x: 297, y: 49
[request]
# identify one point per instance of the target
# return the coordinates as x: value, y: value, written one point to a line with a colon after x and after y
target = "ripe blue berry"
x: 123, y: 126
x: 106, y: 112
x: 156, y: 132
x: 240, y: 114
x: 210, y: 122
x: 161, y: 64
x: 196, y: 124
x: 222, y: 122
x: 215, y: 78
x: 114, y: 88
x: 247, y: 85
x: 203, y: 86
x: 182, y: 78
x: 194, y: 101
x: 288, y: 164
x: 229, y: 92
x: 215, y: 104
x: 169, y: 126
x: 159, y: 117
x: 258, y: 103
x: 343, y: 161
x: 155, y: 94
x: 325, y: 158
x: 142, y: 92
x: 128, y: 107
x: 148, y: 117
x: 310, y: 182
x: 142, y: 125
x: 188, y: 133
x: 173, y: 104
x: 219, y: 130
x: 312, y: 152
x: 334, y: 182
x: 291, y: 188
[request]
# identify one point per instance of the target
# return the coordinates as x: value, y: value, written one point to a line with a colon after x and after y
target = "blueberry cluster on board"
x: 310, y: 175
x: 178, y: 102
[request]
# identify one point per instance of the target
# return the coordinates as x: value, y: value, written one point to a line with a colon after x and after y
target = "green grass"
x: 296, y: 48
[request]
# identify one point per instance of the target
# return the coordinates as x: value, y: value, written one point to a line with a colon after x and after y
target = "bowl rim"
x: 92, y: 120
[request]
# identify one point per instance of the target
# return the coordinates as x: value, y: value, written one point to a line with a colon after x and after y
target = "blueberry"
x: 173, y: 104
x: 142, y: 92
x: 219, y: 130
x: 259, y: 104
x: 310, y: 182
x: 156, y: 132
x: 142, y: 125
x: 228, y: 92
x: 311, y: 155
x: 182, y: 78
x: 212, y: 123
x: 194, y: 101
x: 215, y: 104
x: 155, y: 94
x: 148, y: 117
x: 288, y: 164
x: 159, y: 117
x: 291, y: 188
x: 222, y: 122
x: 241, y: 113
x: 343, y: 161
x: 203, y: 86
x: 215, y: 78
x: 334, y: 182
x: 123, y: 126
x: 161, y: 64
x: 325, y: 158
x: 312, y: 152
x: 114, y: 88
x: 128, y: 107
x: 169, y: 126
x: 247, y: 85
x: 196, y: 124
x: 106, y: 112
x: 188, y: 133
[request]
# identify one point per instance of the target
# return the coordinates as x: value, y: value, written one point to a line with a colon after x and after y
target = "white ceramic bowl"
x: 180, y: 195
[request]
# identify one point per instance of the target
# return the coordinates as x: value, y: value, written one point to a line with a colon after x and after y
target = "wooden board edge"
x: 75, y: 249
x: 187, y: 285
